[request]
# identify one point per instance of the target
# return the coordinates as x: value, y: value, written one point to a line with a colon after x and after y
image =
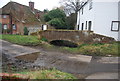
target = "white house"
x: 101, y: 17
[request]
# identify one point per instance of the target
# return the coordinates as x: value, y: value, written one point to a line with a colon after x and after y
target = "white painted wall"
x: 105, y: 13
x: 102, y: 14
x: 88, y: 15
x: 119, y: 19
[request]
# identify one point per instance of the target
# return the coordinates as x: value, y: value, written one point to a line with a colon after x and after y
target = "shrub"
x: 25, y: 31
x: 8, y: 31
x: 57, y: 23
x: 44, y: 39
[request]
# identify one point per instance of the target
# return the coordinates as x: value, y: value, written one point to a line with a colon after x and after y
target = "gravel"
x: 11, y: 65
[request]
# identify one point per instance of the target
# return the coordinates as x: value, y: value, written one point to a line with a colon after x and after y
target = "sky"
x: 39, y: 4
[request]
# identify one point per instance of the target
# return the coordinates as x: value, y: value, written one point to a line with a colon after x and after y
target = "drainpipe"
x: 79, y: 20
x: 11, y: 24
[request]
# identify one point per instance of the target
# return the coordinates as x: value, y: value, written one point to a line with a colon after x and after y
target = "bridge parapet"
x: 75, y: 36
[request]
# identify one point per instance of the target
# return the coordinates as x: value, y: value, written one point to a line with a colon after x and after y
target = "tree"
x: 56, y: 13
x: 25, y: 31
x: 71, y: 6
x: 58, y: 23
x: 56, y: 18
x: 71, y: 21
x: 45, y: 10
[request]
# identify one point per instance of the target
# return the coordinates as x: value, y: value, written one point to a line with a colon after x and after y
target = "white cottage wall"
x: 105, y: 13
x: 101, y: 15
x: 88, y: 15
x: 119, y: 20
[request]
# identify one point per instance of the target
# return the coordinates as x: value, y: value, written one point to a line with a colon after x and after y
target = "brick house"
x: 15, y: 17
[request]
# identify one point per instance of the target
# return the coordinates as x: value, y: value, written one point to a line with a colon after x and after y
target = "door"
x: 89, y: 25
x: 82, y: 26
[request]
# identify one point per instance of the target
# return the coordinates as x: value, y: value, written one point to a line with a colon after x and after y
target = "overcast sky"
x: 39, y: 4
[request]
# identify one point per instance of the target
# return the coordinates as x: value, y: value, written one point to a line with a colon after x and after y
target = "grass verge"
x: 22, y: 39
x: 0, y: 36
x: 111, y: 49
x: 48, y: 74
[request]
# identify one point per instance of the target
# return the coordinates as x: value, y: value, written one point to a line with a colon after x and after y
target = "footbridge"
x: 75, y: 36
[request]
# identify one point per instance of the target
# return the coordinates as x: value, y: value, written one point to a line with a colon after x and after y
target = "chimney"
x: 31, y: 5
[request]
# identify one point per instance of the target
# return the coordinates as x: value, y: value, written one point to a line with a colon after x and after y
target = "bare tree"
x: 71, y: 6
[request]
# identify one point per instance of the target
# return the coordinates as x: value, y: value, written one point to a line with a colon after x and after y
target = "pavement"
x: 19, y: 52
x: 103, y: 75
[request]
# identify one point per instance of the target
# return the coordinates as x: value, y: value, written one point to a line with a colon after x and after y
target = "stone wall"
x: 34, y: 29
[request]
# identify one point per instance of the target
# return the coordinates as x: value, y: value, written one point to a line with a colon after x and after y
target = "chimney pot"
x: 31, y: 5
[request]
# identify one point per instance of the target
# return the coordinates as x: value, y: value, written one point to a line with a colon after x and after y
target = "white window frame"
x: 14, y: 27
x: 4, y: 16
x: 114, y: 24
x: 82, y: 11
x: 5, y: 27
x: 90, y: 5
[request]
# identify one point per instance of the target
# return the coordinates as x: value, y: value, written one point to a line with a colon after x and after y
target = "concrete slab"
x: 109, y: 60
x: 103, y: 76
x: 20, y: 52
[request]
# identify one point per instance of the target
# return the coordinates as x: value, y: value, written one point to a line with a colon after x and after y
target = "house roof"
x: 21, y: 13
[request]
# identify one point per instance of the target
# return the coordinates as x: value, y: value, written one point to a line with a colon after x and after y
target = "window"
x: 78, y: 27
x: 89, y: 25
x: 82, y: 11
x: 86, y: 25
x: 115, y: 25
x: 82, y: 26
x: 90, y: 5
x: 14, y: 27
x: 4, y: 16
x: 5, y: 26
x: 44, y: 27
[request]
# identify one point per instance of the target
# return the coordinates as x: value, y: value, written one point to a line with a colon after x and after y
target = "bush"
x: 25, y: 31
x: 56, y: 18
x: 57, y: 23
x: 44, y: 39
x: 8, y: 30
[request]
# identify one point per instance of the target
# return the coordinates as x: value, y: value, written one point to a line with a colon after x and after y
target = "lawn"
x: 105, y: 49
x: 48, y: 74
x: 0, y: 36
x: 22, y: 39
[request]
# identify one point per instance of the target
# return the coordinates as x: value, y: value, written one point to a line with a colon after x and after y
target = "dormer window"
x: 91, y: 5
x: 4, y: 16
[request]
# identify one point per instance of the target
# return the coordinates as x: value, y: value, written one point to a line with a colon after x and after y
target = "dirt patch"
x: 11, y: 65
